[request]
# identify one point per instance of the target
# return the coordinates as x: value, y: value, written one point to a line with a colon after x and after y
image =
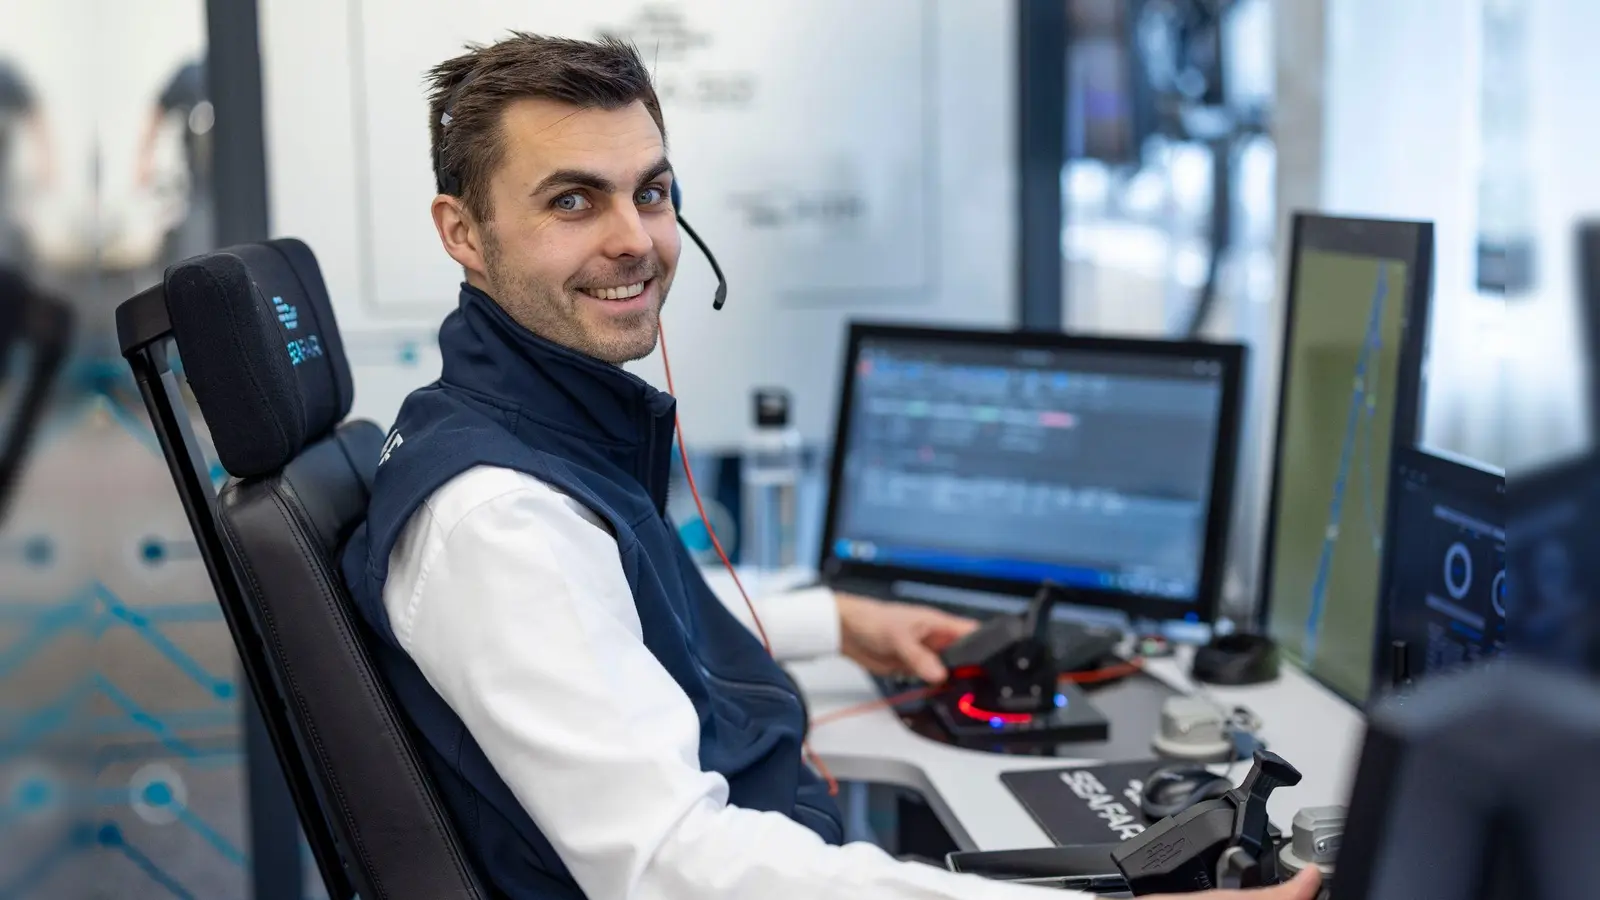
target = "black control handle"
x: 1044, y: 600
x: 1268, y: 773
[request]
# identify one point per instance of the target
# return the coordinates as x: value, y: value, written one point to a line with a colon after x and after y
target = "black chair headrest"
x: 261, y: 350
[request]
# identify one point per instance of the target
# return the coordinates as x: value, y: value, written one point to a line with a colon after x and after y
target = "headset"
x: 450, y: 183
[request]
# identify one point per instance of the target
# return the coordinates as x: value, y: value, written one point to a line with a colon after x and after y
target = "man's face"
x: 583, y: 242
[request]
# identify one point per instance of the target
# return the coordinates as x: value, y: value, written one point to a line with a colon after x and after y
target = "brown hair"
x: 475, y: 88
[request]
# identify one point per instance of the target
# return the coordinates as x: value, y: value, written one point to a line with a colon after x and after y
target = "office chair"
x: 261, y: 351
x: 43, y: 326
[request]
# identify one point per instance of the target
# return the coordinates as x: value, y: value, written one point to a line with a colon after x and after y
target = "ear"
x: 458, y: 232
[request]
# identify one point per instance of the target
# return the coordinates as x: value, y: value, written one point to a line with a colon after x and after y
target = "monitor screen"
x: 1001, y: 460
x: 1553, y: 596
x: 1352, y: 352
x: 1444, y: 585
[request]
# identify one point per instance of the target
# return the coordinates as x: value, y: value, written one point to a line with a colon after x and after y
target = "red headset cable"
x: 1106, y: 674
x: 683, y: 456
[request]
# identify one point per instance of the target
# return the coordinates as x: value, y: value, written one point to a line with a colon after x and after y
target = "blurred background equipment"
x: 35, y: 331
x: 27, y: 157
x: 1482, y: 767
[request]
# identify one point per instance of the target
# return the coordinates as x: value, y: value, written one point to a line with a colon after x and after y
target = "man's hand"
x: 898, y: 638
x: 1301, y: 887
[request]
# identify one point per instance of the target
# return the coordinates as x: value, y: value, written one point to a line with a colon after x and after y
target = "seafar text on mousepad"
x: 1093, y: 804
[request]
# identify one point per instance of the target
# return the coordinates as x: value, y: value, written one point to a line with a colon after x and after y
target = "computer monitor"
x: 1444, y: 576
x: 1553, y: 571
x: 1473, y: 786
x: 994, y: 461
x: 1353, y: 342
x: 1588, y: 289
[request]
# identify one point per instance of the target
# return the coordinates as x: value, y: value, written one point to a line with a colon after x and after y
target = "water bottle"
x: 771, y: 478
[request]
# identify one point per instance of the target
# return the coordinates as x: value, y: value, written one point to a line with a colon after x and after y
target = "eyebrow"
x: 596, y: 181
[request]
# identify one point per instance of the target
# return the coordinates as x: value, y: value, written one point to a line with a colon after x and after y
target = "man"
x: 21, y: 117
x: 183, y: 104
x: 183, y: 94
x: 602, y: 725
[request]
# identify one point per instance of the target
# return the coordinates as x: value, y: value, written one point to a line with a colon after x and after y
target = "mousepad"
x: 1093, y: 804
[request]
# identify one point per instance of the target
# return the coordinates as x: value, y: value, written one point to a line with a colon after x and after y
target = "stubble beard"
x: 551, y: 312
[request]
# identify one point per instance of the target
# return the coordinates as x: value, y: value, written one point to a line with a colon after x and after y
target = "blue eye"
x: 650, y: 196
x: 570, y: 202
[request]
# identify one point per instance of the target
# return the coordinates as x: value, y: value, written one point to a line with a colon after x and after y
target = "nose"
x: 626, y: 235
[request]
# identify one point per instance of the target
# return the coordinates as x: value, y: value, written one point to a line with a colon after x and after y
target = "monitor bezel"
x: 1225, y: 452
x: 1408, y: 241
x: 1588, y: 253
x: 1456, y: 475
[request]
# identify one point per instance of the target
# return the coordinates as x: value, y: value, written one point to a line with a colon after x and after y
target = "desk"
x: 1303, y: 722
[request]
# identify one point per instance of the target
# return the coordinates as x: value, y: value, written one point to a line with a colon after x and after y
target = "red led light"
x: 970, y: 708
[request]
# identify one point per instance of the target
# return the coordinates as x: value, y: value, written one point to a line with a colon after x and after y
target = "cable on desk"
x: 1109, y: 673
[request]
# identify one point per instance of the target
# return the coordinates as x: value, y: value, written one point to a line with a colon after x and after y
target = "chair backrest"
x: 261, y: 351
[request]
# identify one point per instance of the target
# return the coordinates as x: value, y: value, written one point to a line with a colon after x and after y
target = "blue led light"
x: 1061, y: 701
x: 996, y: 723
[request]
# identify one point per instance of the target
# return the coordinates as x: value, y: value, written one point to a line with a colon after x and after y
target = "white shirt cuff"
x: 801, y: 624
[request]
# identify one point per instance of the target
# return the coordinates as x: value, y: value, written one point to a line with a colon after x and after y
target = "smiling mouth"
x: 622, y: 292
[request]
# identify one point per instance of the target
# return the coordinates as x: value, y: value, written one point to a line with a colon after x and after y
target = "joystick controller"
x: 1222, y: 843
x: 1010, y: 658
x: 1005, y: 685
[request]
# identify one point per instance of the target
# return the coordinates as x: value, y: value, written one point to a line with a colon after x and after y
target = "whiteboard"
x: 816, y: 180
x: 917, y: 93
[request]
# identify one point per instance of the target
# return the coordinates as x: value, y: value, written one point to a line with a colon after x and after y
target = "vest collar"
x: 487, y: 351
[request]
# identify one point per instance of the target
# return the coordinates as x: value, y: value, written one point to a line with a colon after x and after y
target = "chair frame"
x: 144, y: 331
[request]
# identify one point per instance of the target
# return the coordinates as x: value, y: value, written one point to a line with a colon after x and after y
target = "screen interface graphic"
x: 1091, y: 469
x: 1344, y: 352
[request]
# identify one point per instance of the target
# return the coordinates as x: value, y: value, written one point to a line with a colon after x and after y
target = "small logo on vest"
x: 394, y: 440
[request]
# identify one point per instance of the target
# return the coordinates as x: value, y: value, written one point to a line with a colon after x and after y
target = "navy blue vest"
x: 511, y: 399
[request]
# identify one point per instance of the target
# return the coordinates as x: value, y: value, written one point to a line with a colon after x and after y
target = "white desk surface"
x: 1314, y: 730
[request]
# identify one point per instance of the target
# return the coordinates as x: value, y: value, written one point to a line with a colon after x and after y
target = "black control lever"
x: 1218, y: 843
x: 1252, y: 861
x: 1020, y: 671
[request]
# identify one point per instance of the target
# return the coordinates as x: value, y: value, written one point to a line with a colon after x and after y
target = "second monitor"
x: 1352, y: 369
x: 995, y: 461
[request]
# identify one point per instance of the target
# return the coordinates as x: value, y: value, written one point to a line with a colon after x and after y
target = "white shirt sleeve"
x: 514, y: 605
x: 800, y: 625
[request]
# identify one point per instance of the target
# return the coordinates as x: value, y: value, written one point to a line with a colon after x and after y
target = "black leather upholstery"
x: 262, y: 353
x: 285, y: 531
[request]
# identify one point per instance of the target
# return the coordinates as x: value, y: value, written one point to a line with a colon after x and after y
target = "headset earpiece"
x: 677, y: 197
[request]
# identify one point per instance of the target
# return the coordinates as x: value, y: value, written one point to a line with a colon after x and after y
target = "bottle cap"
x: 771, y: 408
